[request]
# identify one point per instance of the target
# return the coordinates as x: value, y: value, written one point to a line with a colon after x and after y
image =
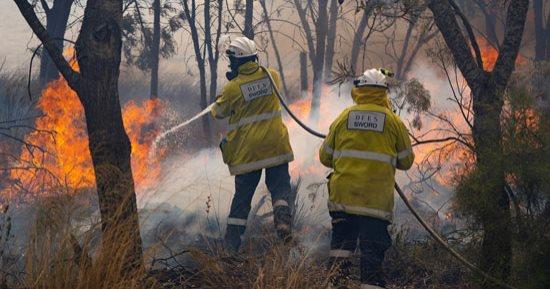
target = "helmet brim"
x: 231, y: 53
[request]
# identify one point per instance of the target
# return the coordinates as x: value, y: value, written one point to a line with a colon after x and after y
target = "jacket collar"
x: 249, y: 68
x: 371, y: 95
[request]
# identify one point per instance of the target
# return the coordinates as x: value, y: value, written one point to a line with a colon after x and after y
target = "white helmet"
x: 242, y: 47
x: 373, y: 77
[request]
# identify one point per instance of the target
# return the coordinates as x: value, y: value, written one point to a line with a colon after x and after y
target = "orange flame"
x: 61, y: 134
x: 62, y: 157
x: 489, y: 54
x: 307, y: 162
x: 142, y: 129
x: 302, y: 165
x: 451, y: 159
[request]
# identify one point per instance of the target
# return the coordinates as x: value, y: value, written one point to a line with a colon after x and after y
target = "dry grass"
x: 57, y: 258
x: 278, y: 267
x: 66, y: 251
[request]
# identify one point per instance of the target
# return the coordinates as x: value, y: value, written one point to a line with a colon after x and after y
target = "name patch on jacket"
x: 256, y: 89
x: 366, y: 120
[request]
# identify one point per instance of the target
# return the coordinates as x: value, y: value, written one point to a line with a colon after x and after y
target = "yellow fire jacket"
x: 365, y: 145
x: 256, y: 137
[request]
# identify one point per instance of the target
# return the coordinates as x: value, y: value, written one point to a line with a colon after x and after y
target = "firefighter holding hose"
x: 365, y: 145
x: 256, y: 140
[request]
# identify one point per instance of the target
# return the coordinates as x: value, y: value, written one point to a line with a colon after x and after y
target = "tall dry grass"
x: 278, y: 267
x: 67, y: 250
x: 63, y: 254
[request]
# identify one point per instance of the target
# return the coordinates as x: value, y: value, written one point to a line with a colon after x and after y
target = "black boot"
x: 233, y: 237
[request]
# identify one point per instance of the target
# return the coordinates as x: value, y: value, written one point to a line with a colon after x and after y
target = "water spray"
x: 401, y: 194
x: 174, y: 129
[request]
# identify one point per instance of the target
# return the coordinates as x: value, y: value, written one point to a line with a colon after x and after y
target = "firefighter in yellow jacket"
x: 365, y: 145
x: 256, y: 139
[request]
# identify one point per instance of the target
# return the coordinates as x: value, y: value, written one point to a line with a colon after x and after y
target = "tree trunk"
x: 490, y: 16
x: 401, y: 61
x: 155, y: 51
x: 496, y: 248
x: 212, y: 65
x: 248, y: 30
x: 357, y: 42
x: 491, y: 27
x: 331, y: 39
x: 487, y: 93
x: 408, y: 52
x: 303, y: 74
x: 318, y: 59
x: 99, y: 52
x: 190, y: 14
x: 204, y: 99
x: 212, y: 47
x: 213, y: 82
x: 56, y: 23
x: 424, y: 38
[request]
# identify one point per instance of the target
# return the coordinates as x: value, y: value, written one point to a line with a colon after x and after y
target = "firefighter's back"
x: 369, y: 143
x: 257, y: 137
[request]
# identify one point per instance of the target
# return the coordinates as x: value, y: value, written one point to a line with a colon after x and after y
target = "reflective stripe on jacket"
x: 365, y: 145
x: 256, y: 137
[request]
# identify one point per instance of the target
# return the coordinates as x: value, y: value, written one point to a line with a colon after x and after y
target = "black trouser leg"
x: 374, y: 240
x: 277, y: 180
x: 245, y: 186
x: 342, y: 245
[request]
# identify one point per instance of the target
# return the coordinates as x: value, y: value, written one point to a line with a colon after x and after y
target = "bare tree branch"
x: 72, y: 77
x: 307, y: 28
x: 45, y: 6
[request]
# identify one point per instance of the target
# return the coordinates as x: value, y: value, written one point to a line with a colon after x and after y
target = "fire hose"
x: 401, y: 194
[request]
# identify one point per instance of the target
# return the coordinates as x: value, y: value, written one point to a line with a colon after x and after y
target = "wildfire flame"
x: 142, y: 128
x: 61, y: 157
x: 489, y: 54
x: 448, y: 159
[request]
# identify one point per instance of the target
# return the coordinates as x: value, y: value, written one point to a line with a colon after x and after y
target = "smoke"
x: 198, y: 187
x: 193, y: 193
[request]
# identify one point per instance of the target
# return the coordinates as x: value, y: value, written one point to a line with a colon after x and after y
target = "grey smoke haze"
x: 188, y: 182
x: 14, y: 36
